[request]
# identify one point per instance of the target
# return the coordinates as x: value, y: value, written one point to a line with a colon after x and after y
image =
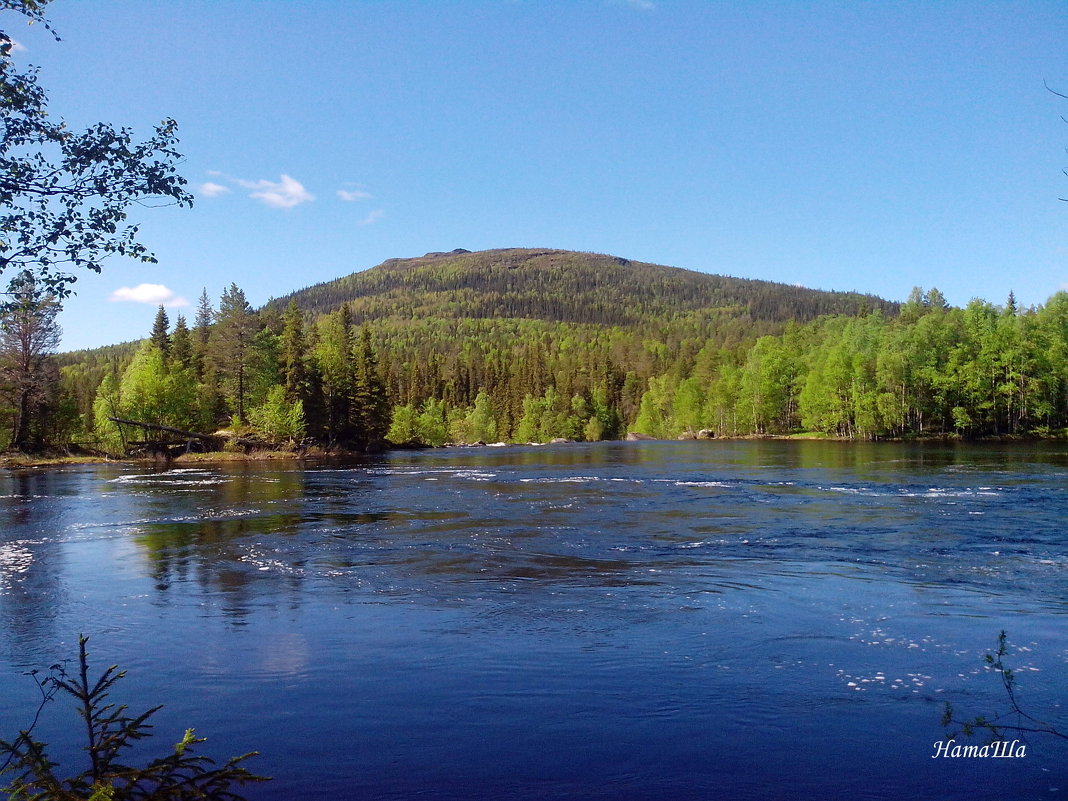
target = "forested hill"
x: 564, y: 286
x: 532, y: 345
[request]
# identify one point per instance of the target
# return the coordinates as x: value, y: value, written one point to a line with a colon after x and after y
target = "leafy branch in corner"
x: 65, y: 194
x: 996, y: 727
x: 179, y: 776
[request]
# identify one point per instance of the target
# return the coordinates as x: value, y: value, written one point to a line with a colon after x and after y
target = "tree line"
x: 978, y: 371
x: 293, y: 376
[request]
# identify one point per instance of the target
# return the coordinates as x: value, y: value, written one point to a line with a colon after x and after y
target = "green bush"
x: 179, y: 776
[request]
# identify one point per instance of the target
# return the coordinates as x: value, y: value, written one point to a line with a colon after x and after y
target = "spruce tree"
x: 293, y: 349
x: 371, y: 408
x: 202, y: 333
x: 182, y: 344
x: 160, y: 338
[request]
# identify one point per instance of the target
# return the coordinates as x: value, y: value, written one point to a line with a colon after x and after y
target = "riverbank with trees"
x: 338, y: 383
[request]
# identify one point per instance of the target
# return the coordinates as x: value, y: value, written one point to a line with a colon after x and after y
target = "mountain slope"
x: 565, y: 286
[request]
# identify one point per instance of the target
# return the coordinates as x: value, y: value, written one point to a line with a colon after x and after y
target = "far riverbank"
x: 22, y: 461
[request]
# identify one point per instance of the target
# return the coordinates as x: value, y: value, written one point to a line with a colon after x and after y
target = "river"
x: 748, y: 620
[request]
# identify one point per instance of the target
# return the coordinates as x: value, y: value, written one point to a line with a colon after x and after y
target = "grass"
x: 241, y: 456
x: 20, y: 460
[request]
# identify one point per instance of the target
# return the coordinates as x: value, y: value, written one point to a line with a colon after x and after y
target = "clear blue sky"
x: 840, y: 145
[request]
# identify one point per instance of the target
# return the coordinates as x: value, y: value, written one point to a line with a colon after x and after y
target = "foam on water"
x: 15, y: 558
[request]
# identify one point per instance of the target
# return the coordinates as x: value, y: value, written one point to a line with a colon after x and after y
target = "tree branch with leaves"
x: 180, y: 775
x: 65, y: 194
x: 1015, y: 721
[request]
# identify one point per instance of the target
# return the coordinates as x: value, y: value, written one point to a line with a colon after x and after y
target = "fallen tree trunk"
x: 168, y: 429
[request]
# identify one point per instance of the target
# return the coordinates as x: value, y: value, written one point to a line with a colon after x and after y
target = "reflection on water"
x: 660, y: 620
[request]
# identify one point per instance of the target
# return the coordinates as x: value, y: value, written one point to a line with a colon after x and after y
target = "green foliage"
x: 486, y: 377
x: 293, y: 352
x: 528, y: 429
x: 404, y: 426
x: 64, y: 194
x: 432, y: 424
x: 334, y: 356
x: 181, y: 775
x: 153, y: 391
x: 481, y: 423
x: 108, y: 404
x: 279, y: 419
x: 655, y: 414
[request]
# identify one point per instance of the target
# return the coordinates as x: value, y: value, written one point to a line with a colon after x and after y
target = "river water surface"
x: 743, y: 620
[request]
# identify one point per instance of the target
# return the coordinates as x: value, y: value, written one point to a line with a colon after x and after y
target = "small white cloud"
x: 641, y: 5
x: 153, y: 294
x: 283, y: 194
x: 211, y: 189
x: 372, y: 218
x: 17, y: 46
x: 353, y: 195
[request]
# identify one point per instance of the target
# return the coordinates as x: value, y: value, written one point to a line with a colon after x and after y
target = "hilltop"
x: 567, y: 287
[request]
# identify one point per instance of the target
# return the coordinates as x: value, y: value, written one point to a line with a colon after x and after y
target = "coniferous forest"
x: 532, y: 345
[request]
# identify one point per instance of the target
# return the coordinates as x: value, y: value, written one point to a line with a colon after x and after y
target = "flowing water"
x: 677, y: 621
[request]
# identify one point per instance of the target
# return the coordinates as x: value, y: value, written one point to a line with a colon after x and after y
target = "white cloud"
x: 153, y: 294
x: 372, y: 218
x: 17, y: 46
x: 283, y: 194
x: 353, y: 195
x: 642, y: 5
x: 211, y: 189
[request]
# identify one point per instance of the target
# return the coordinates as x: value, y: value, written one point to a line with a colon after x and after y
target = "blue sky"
x: 839, y: 145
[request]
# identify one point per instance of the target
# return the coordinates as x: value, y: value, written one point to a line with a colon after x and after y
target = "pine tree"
x: 211, y: 403
x: 112, y: 733
x: 1010, y: 304
x: 182, y: 345
x: 370, y: 405
x: 231, y: 343
x: 160, y: 337
x: 202, y: 333
x: 293, y: 351
x: 29, y: 334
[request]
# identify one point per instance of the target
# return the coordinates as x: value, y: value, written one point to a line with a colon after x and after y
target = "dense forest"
x: 565, y: 286
x: 531, y: 345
